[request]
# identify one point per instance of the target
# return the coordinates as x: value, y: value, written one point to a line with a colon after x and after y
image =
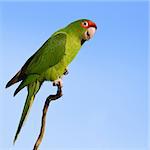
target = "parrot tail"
x: 33, y: 88
x: 14, y: 80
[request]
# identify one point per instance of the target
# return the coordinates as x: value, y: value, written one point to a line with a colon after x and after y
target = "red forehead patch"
x: 88, y: 23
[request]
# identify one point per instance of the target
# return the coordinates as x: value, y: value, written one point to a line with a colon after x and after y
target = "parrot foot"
x: 66, y: 72
x: 58, y: 82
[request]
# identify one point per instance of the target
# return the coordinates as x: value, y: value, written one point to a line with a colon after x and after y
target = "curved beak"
x: 92, y: 24
x: 89, y: 33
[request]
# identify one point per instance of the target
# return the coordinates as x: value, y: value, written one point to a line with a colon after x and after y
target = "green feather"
x: 48, y: 55
x: 29, y: 79
x: 48, y: 63
x: 32, y: 90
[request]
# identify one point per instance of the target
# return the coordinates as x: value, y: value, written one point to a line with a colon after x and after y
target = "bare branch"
x: 45, y: 109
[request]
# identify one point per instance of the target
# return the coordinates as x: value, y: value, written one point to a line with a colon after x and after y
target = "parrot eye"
x: 85, y: 24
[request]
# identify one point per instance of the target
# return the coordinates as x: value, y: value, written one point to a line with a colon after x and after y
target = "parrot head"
x: 83, y: 28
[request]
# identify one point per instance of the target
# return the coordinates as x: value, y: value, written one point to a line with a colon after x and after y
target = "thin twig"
x: 45, y: 109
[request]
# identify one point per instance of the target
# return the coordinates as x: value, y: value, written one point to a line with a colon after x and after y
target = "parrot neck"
x: 75, y: 35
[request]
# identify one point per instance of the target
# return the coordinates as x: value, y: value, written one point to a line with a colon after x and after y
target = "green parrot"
x: 50, y: 62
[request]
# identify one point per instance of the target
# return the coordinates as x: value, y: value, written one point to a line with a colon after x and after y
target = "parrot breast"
x: 73, y: 46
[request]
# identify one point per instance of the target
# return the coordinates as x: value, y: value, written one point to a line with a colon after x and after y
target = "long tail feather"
x: 20, y: 87
x: 14, y: 80
x: 24, y: 116
x: 28, y: 80
x: 32, y: 90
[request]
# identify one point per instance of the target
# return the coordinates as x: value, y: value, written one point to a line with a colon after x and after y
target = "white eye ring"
x: 85, y: 24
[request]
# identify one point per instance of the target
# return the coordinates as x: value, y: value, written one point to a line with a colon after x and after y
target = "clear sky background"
x: 104, y: 106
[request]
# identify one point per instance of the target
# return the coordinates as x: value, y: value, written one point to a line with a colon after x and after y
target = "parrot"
x: 50, y: 62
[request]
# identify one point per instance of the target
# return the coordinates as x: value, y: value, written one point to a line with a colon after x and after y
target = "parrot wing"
x: 51, y: 52
x: 48, y: 55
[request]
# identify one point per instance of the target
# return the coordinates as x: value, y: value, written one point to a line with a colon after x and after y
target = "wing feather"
x: 47, y: 56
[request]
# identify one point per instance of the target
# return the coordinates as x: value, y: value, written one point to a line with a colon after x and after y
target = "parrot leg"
x: 58, y: 82
x: 45, y: 109
x: 66, y: 72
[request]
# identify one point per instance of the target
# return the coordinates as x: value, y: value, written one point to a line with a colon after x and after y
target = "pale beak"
x: 89, y: 33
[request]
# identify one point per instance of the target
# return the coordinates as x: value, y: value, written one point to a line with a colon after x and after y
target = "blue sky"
x: 104, y: 106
